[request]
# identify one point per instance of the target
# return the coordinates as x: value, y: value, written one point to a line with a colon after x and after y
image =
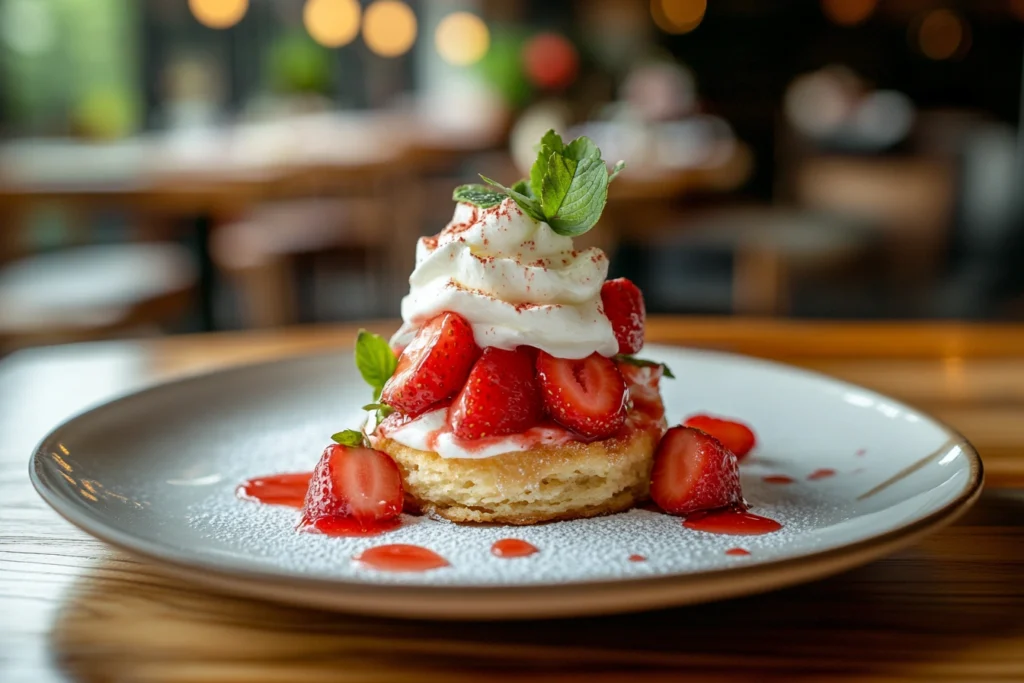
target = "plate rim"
x: 519, y: 601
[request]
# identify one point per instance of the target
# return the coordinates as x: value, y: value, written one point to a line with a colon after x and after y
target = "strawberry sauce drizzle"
x: 277, y: 489
x: 739, y: 552
x: 401, y: 557
x: 637, y: 558
x: 513, y: 547
x: 778, y: 479
x: 733, y: 521
x: 823, y: 473
x: 349, y: 527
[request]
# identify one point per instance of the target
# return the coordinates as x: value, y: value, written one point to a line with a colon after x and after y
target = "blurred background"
x: 172, y: 166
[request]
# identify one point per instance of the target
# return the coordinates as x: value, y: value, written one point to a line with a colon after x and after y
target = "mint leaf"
x: 375, y: 360
x: 582, y: 148
x: 477, y: 195
x: 523, y: 187
x: 633, y: 360
x: 551, y: 144
x: 350, y: 437
x: 528, y: 204
x: 616, y: 170
x: 581, y: 199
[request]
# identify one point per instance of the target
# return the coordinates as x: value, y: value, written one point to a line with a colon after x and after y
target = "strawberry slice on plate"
x: 501, y: 396
x: 623, y: 304
x: 693, y: 471
x: 734, y: 435
x: 587, y: 395
x: 433, y: 366
x: 352, y: 482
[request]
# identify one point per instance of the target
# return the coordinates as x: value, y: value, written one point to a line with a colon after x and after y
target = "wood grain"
x: 949, y: 609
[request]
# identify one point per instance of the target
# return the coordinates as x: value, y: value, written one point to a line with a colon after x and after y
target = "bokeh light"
x: 462, y: 38
x: 551, y: 61
x: 389, y: 28
x: 218, y: 13
x: 678, y: 16
x: 332, y: 23
x: 848, y: 12
x: 941, y: 35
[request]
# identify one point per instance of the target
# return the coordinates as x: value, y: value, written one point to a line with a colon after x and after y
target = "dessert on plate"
x: 512, y: 393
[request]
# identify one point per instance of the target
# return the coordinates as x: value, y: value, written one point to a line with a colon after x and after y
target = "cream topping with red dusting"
x: 515, y: 280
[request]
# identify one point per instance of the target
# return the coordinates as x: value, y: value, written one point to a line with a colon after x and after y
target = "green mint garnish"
x: 633, y: 360
x: 381, y: 409
x: 375, y: 360
x: 350, y: 437
x: 567, y: 187
x: 478, y: 195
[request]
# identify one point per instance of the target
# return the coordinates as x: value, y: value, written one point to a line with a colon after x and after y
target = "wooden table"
x: 948, y: 609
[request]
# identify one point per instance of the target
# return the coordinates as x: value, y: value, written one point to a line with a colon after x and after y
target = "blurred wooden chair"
x: 93, y: 292
x: 271, y: 253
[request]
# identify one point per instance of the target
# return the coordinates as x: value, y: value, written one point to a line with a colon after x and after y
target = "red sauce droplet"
x: 637, y: 558
x: 778, y: 479
x: 821, y: 474
x: 737, y: 551
x: 512, y: 547
x: 277, y: 489
x: 349, y: 526
x: 860, y: 451
x: 400, y: 557
x: 732, y: 522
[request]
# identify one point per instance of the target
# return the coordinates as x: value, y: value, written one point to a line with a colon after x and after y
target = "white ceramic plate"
x: 155, y: 473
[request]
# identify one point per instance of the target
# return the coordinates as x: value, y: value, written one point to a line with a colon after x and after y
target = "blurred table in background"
x: 201, y: 178
x: 949, y: 608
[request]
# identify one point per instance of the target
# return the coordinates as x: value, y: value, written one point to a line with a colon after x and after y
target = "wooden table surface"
x: 948, y: 609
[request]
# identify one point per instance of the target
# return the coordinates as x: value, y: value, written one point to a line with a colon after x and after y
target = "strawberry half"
x: 693, y: 471
x: 433, y: 366
x: 357, y: 483
x: 623, y: 305
x: 501, y: 396
x: 736, y: 436
x: 587, y: 395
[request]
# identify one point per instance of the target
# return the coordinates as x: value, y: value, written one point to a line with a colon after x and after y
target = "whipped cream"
x: 515, y: 280
x: 431, y: 432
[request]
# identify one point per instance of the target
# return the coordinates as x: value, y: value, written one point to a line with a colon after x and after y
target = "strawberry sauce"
x: 778, y: 479
x: 637, y: 558
x: 823, y: 473
x: 731, y: 521
x: 739, y: 552
x: 513, y: 547
x: 401, y: 557
x: 349, y: 526
x: 277, y: 489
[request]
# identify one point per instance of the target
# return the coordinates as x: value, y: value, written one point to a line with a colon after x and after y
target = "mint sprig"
x: 633, y: 360
x: 567, y: 187
x: 350, y: 437
x: 375, y: 360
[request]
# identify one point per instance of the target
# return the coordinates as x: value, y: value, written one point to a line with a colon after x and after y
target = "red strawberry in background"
x: 736, y: 436
x: 501, y: 396
x: 587, y: 395
x: 623, y: 305
x: 353, y: 482
x: 693, y: 471
x: 433, y: 366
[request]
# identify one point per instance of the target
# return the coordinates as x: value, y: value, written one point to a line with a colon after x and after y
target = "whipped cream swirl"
x: 515, y: 280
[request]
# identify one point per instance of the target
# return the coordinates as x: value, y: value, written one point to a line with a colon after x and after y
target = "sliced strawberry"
x: 501, y: 396
x: 624, y: 306
x: 693, y: 471
x: 358, y: 483
x: 587, y: 395
x: 642, y: 382
x: 433, y: 366
x: 736, y: 436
